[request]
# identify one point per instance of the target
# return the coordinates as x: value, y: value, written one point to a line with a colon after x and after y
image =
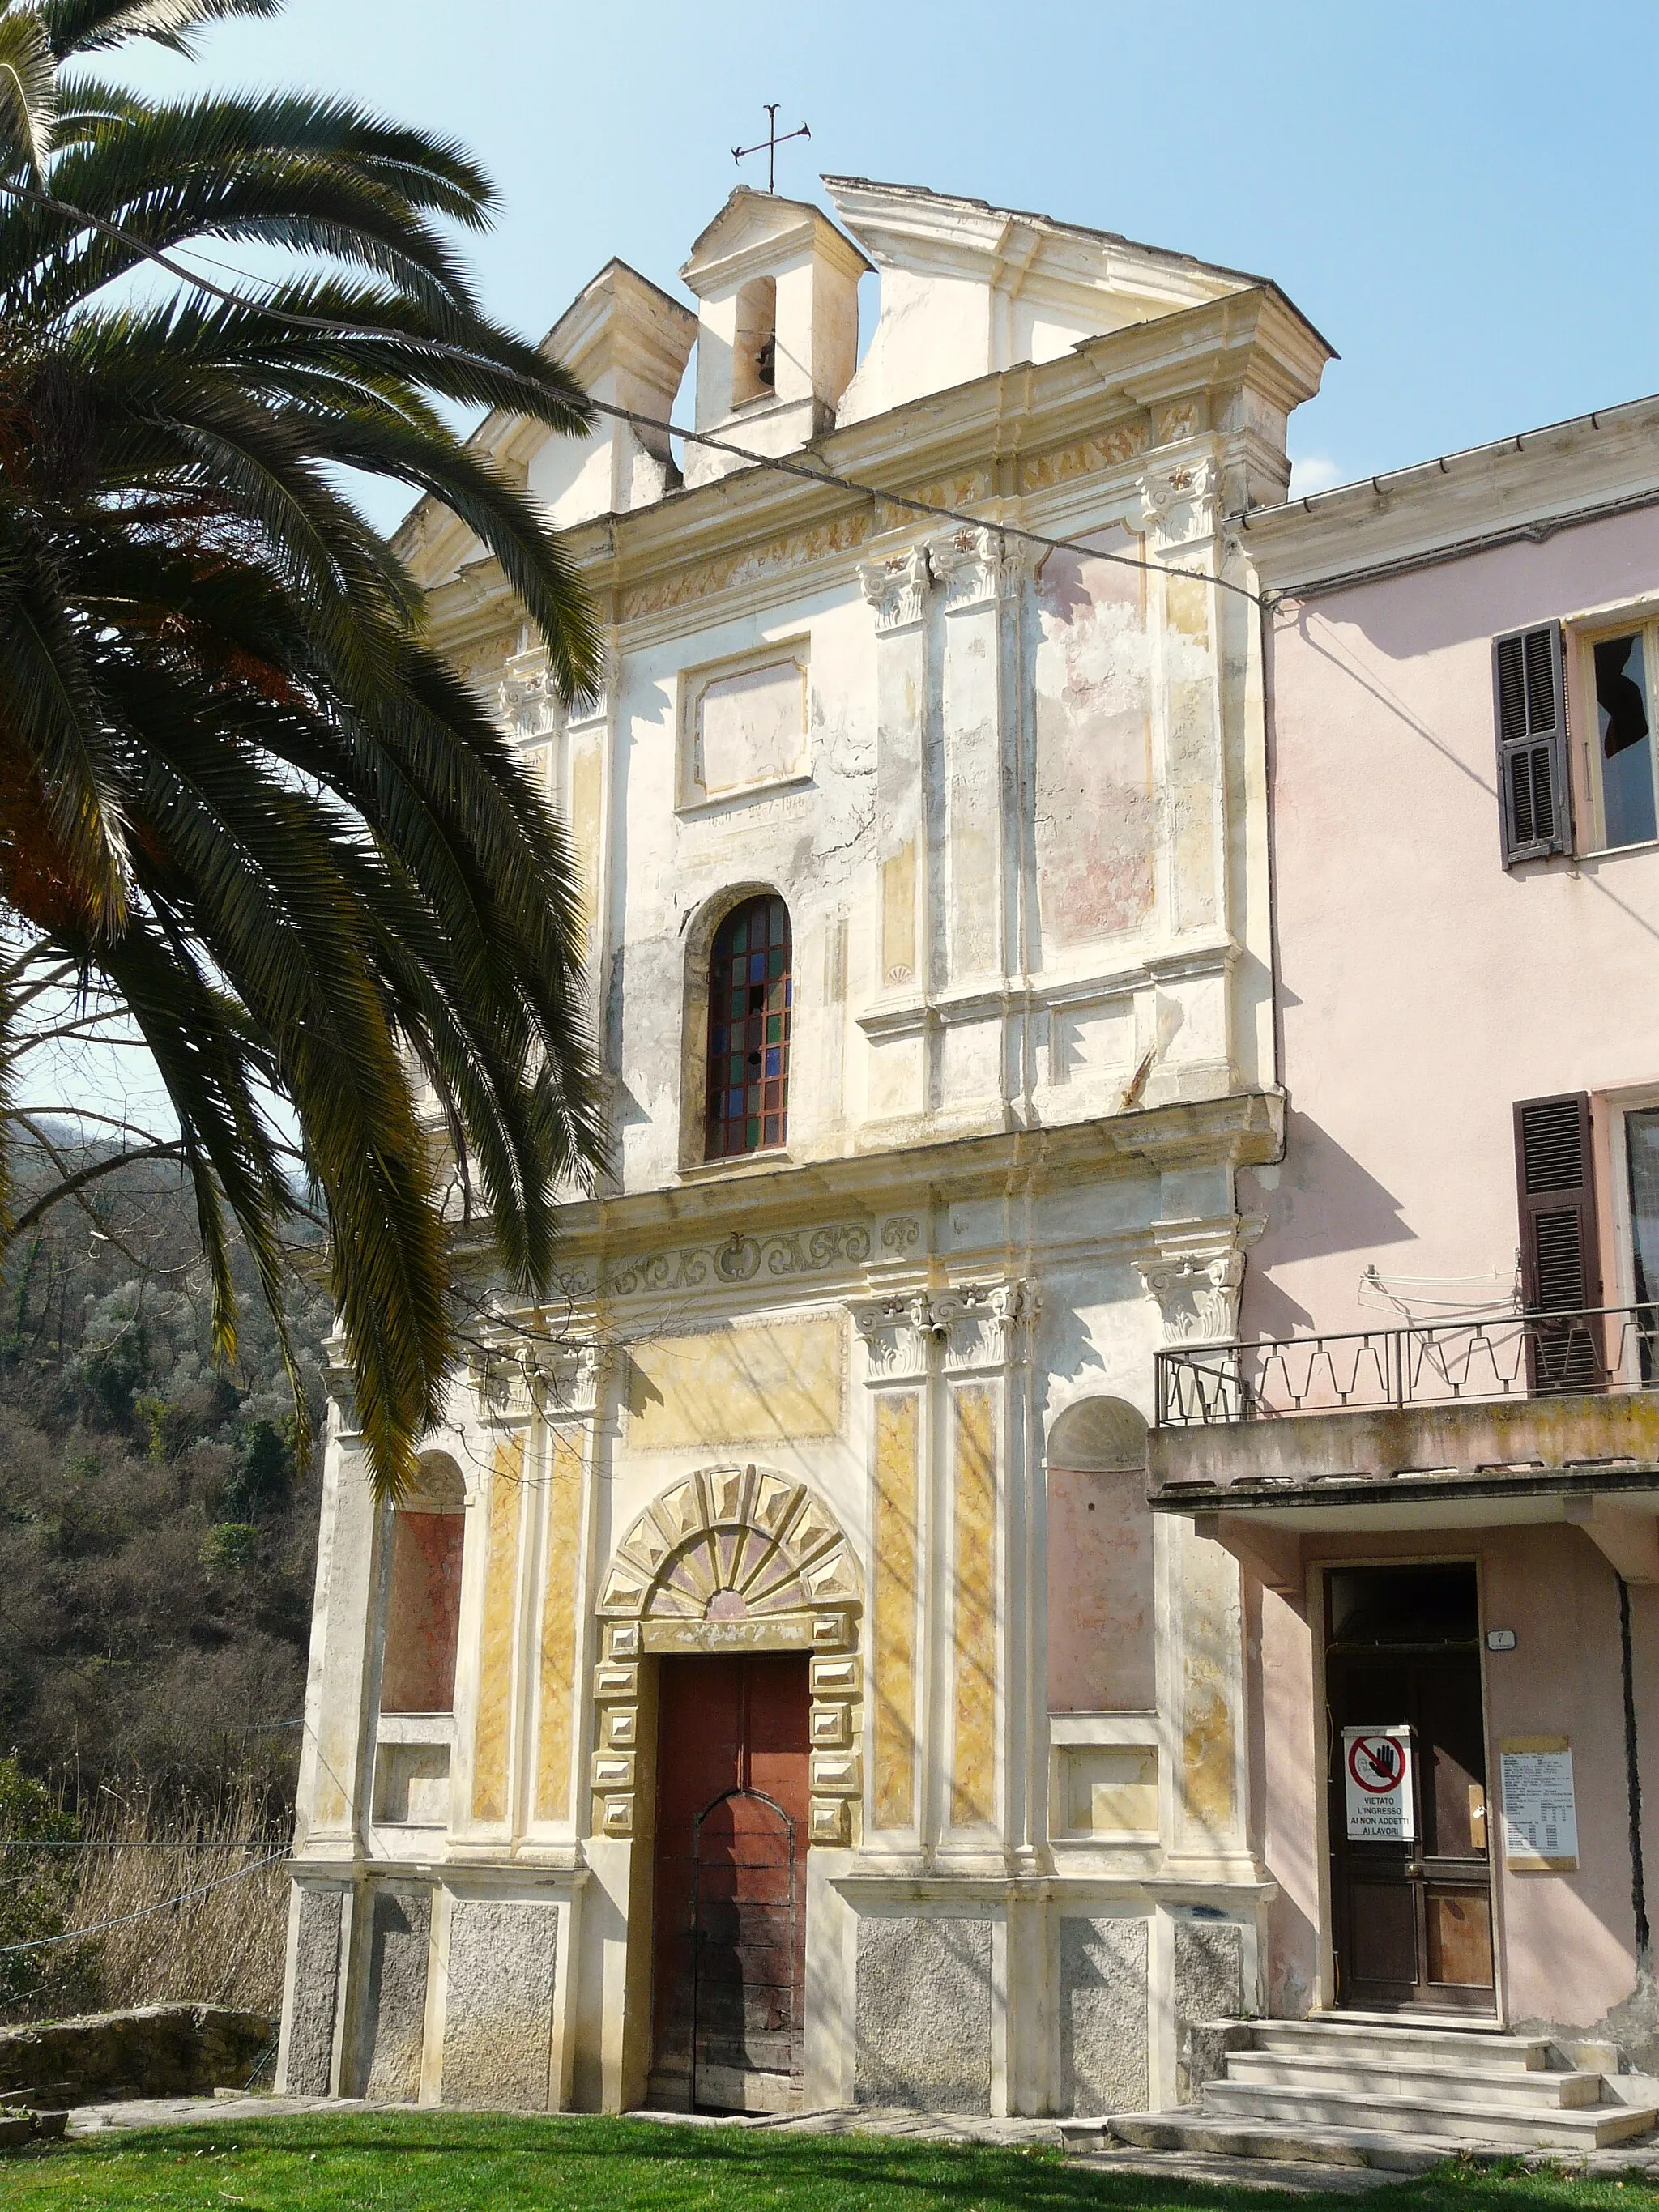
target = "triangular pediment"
x: 753, y: 225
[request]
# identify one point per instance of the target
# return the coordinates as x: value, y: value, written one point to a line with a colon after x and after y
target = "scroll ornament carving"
x: 1177, y: 502
x: 897, y: 588
x: 796, y: 550
x: 741, y: 1258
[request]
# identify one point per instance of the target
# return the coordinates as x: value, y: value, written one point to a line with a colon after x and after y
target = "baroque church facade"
x: 778, y: 1690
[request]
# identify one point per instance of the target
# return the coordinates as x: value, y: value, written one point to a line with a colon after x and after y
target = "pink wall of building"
x: 1565, y: 1942
x: 1424, y: 988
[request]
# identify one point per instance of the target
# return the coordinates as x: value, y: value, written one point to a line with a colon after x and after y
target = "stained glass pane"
x: 750, y: 999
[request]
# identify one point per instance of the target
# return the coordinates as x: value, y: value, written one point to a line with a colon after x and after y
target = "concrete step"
x: 1205, y: 2134
x: 1455, y: 2121
x: 1536, y: 2089
x: 1448, y: 2046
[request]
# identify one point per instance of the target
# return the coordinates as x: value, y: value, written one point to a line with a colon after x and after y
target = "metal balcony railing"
x: 1431, y: 1362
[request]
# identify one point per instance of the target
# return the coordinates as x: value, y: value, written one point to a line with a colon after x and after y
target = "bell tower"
x: 777, y: 289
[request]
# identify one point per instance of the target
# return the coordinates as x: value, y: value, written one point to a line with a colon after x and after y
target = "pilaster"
x: 898, y: 589
x: 333, y: 1761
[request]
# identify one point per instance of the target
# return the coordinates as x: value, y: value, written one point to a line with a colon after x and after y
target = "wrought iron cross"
x: 770, y: 144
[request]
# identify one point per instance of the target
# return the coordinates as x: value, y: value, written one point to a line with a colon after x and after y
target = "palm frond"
x: 80, y: 25
x: 28, y: 93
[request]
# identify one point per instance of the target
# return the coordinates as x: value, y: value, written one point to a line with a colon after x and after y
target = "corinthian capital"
x: 897, y: 587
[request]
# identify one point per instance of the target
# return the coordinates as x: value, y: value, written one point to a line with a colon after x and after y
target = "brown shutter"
x: 1560, y: 1240
x: 1535, y: 788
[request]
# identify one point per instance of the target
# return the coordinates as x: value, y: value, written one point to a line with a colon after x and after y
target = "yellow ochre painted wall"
x: 496, y: 1657
x: 973, y: 1792
x: 558, y: 1657
x: 893, y: 1608
x: 770, y: 1384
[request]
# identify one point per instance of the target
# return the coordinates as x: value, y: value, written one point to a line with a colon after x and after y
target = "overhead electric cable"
x: 102, y: 1926
x: 332, y: 326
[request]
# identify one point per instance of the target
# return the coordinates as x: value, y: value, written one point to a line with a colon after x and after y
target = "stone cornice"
x: 1245, y: 1128
x: 1525, y: 486
x: 1252, y: 337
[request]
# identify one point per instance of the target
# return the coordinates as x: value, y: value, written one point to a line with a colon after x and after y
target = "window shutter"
x: 1560, y: 1241
x: 1534, y: 786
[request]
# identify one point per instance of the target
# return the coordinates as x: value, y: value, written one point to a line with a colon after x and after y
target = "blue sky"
x: 1460, y: 196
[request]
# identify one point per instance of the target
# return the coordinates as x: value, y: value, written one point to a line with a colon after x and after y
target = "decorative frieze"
x: 752, y: 565
x: 738, y: 1259
x: 897, y: 587
x: 1090, y: 456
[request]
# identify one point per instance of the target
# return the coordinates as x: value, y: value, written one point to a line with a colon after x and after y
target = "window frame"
x: 1582, y: 635
x: 718, y: 1020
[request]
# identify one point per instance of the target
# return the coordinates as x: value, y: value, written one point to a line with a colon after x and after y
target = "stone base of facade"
x: 488, y: 1986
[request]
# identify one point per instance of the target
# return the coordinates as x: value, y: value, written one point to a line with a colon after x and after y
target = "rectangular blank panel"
x: 748, y: 730
x: 1110, y: 1791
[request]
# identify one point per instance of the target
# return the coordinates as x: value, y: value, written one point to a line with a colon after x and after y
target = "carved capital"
x: 1177, y: 504
x: 983, y: 1324
x: 500, y: 1388
x: 526, y: 702
x: 566, y: 1378
x: 896, y: 1336
x: 897, y: 587
x: 1197, y: 1275
x: 341, y: 1385
x: 975, y: 565
x: 972, y: 1325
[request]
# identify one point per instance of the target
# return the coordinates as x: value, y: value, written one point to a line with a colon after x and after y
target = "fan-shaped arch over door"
x: 733, y: 1560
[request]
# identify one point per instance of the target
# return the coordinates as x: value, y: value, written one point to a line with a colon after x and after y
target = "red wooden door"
x: 733, y: 1786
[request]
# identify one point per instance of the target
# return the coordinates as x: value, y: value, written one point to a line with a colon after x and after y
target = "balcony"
x: 1520, y: 1417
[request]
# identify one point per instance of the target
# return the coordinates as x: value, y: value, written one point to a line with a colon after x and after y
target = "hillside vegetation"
x: 157, y: 1542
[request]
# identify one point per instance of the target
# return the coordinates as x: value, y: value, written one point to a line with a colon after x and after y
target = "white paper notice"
x: 1376, y: 1765
x: 1541, y: 1820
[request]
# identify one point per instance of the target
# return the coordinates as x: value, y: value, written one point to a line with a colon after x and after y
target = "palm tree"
x: 239, y: 793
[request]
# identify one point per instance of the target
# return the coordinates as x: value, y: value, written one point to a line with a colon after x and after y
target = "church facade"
x: 779, y: 1690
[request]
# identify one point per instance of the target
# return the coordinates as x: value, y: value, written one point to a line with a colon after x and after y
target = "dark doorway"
x: 733, y: 1788
x: 1413, y: 1918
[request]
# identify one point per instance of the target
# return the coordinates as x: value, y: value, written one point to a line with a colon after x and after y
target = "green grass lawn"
x: 419, y: 2162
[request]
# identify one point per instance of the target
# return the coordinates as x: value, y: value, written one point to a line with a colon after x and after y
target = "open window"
x: 1618, y: 673
x: 750, y: 1010
x: 755, y: 347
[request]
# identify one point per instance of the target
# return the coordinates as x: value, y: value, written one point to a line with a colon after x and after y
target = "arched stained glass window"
x: 750, y: 1005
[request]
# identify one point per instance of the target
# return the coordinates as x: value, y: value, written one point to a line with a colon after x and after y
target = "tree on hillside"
x: 242, y: 801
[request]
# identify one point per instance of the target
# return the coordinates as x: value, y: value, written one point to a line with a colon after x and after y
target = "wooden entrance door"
x: 1412, y: 1921
x: 729, y: 1963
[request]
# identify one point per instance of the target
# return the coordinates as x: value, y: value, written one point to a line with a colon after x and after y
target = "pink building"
x: 1435, y: 1450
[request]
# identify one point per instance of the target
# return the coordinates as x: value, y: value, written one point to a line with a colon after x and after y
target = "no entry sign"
x: 1377, y: 1764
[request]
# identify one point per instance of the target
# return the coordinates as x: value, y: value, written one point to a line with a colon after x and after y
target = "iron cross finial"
x: 770, y: 144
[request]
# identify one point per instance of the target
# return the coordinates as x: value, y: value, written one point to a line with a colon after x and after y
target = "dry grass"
x: 224, y: 1947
